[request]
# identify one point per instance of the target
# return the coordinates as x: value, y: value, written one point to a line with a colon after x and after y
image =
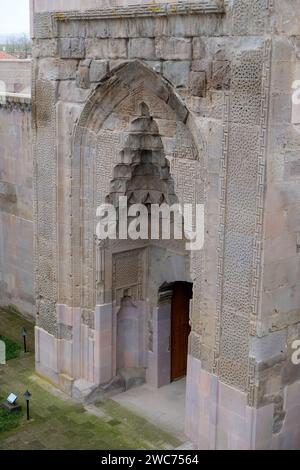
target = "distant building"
x: 15, y: 74
x: 6, y: 56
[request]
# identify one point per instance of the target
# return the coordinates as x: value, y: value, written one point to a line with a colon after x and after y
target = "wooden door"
x: 180, y: 329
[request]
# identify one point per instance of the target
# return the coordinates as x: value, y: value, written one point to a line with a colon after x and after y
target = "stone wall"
x: 278, y: 325
x: 15, y: 76
x: 16, y: 226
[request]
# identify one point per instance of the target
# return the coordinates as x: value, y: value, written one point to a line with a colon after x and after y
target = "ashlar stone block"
x: 199, y: 49
x: 177, y: 72
x: 69, y: 91
x: 155, y: 65
x: 197, y: 84
x: 173, y: 48
x: 220, y: 79
x: 98, y: 70
x: 83, y: 74
x: 57, y: 69
x: 72, y: 48
x: 106, y: 48
x: 141, y: 48
x: 44, y: 48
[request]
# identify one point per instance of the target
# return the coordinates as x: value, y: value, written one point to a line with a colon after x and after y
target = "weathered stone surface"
x: 155, y: 65
x: 115, y: 64
x: 45, y: 48
x: 98, y: 70
x: 197, y: 83
x: 106, y: 48
x: 83, y: 74
x: 199, y: 48
x: 173, y: 48
x: 132, y: 378
x: 177, y: 72
x: 141, y: 48
x: 16, y: 212
x: 57, y: 69
x: 69, y: 91
x: 72, y: 48
x: 81, y: 390
x: 269, y: 346
x: 220, y: 78
x: 204, y: 65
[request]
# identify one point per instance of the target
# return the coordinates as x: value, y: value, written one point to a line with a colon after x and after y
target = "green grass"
x: 9, y: 421
x: 11, y: 324
x: 57, y: 422
x: 13, y: 349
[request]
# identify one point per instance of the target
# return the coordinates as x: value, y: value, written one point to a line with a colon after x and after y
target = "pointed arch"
x: 112, y: 108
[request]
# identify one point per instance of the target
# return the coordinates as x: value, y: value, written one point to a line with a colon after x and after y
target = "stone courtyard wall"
x: 15, y: 76
x: 16, y: 225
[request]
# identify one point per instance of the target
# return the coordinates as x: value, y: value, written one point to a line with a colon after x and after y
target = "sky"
x: 14, y: 17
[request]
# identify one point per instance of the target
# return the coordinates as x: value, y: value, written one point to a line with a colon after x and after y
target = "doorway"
x: 180, y: 328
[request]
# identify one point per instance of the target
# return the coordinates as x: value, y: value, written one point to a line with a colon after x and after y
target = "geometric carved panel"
x: 128, y: 275
x: 241, y: 212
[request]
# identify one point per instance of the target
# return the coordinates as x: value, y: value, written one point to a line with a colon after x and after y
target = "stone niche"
x: 171, y: 103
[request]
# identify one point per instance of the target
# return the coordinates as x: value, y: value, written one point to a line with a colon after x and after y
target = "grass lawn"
x: 57, y: 422
x: 9, y: 421
x: 13, y: 349
x: 11, y: 324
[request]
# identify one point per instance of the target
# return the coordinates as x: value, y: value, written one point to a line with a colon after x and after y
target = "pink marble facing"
x: 218, y: 417
x: 159, y: 359
x: 131, y: 333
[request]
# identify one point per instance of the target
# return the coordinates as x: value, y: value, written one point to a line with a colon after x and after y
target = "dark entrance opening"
x: 180, y: 328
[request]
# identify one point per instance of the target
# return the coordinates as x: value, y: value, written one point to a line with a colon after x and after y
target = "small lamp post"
x: 27, y: 396
x: 24, y: 334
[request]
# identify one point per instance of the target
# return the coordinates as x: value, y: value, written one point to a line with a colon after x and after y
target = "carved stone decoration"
x: 257, y: 10
x: 45, y: 163
x: 88, y: 319
x: 128, y: 276
x: 15, y: 102
x: 100, y: 270
x: 142, y: 173
x: 65, y: 332
x: 242, y: 183
x: 102, y: 142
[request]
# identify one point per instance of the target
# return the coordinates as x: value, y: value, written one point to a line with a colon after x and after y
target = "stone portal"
x: 187, y: 102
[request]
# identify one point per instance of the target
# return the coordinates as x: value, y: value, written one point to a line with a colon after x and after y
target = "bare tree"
x: 20, y: 46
